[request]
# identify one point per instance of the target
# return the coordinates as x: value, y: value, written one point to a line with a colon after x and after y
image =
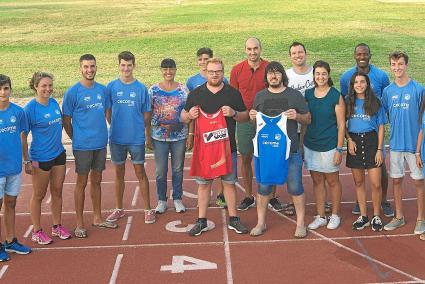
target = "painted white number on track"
x: 178, y: 265
x: 174, y: 226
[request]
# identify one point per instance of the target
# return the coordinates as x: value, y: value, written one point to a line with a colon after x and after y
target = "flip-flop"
x: 255, y: 232
x: 106, y: 224
x: 80, y: 233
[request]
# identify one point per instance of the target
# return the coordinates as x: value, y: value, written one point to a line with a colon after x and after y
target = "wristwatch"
x: 26, y: 162
x: 236, y: 113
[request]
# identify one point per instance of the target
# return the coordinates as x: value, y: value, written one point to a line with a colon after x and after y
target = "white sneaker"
x: 161, y: 207
x: 334, y: 221
x: 317, y: 222
x: 178, y: 204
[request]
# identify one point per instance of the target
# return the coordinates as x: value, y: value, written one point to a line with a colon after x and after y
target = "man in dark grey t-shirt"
x: 278, y: 98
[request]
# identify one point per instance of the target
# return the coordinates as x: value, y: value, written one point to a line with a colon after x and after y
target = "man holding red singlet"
x: 211, y: 98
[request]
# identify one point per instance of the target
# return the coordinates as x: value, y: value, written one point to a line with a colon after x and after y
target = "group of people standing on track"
x: 164, y: 118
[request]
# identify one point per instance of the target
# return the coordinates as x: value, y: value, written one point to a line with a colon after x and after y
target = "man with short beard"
x: 378, y: 81
x: 84, y: 106
x: 276, y: 99
x: 211, y: 98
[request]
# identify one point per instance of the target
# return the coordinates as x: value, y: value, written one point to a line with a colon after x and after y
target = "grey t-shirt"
x: 273, y: 104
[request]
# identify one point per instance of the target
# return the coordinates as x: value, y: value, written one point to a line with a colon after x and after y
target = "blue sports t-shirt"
x: 86, y: 107
x: 402, y: 105
x: 12, y: 123
x: 360, y: 122
x: 378, y: 80
x: 129, y: 102
x: 45, y: 124
x: 197, y: 80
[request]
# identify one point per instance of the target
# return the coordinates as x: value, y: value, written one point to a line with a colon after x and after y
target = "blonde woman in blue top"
x: 46, y: 160
x: 323, y: 143
x: 365, y: 135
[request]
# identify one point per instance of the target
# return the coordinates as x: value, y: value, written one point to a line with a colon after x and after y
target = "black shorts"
x: 47, y: 166
x: 367, y: 145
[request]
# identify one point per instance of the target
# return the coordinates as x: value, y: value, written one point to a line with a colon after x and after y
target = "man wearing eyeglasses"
x: 212, y: 97
x: 248, y: 78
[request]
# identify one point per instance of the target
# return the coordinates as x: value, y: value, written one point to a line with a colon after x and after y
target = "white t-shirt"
x: 300, y: 82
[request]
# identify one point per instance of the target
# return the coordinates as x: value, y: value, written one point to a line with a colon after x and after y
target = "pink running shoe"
x: 61, y: 232
x: 149, y: 216
x: 115, y: 215
x: 41, y: 238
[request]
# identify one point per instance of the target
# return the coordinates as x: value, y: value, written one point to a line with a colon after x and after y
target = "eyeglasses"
x: 274, y: 73
x: 216, y: 72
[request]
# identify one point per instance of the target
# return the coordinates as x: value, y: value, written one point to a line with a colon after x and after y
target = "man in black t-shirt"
x: 211, y: 97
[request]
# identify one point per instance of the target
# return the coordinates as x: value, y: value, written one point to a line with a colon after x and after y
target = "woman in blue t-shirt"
x: 323, y: 143
x: 169, y: 134
x: 365, y: 135
x: 47, y: 157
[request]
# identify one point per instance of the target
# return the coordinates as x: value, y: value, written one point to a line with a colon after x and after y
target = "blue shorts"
x: 231, y: 178
x: 294, y: 182
x: 10, y: 185
x: 119, y: 153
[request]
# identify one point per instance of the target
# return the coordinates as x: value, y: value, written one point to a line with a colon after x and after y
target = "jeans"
x: 161, y: 152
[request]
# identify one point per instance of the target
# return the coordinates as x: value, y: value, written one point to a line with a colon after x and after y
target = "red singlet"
x: 211, y: 156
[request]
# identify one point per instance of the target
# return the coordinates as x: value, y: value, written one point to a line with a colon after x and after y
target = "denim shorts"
x: 119, y: 153
x: 294, y: 182
x: 322, y: 162
x: 10, y: 185
x: 229, y: 178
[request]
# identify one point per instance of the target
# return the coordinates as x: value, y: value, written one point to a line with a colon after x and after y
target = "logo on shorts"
x: 99, y: 97
x: 120, y: 93
x: 13, y: 119
x: 407, y: 97
x: 216, y: 135
x: 86, y: 99
x: 277, y: 136
x: 132, y: 95
x: 47, y: 115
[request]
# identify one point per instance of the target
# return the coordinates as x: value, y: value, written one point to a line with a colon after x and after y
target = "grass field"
x: 51, y: 35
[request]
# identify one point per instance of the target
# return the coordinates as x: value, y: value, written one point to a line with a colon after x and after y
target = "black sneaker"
x: 246, y: 203
x: 377, y: 225
x: 360, y: 223
x: 275, y: 204
x: 236, y: 225
x: 328, y: 207
x: 199, y: 227
x: 220, y: 201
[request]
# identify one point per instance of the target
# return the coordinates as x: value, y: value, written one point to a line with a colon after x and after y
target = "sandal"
x: 106, y: 224
x: 255, y: 232
x: 289, y: 209
x: 300, y: 232
x: 80, y: 233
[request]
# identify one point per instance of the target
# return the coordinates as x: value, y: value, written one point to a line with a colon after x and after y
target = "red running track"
x: 164, y: 253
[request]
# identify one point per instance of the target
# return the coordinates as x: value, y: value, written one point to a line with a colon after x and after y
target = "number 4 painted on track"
x: 178, y: 265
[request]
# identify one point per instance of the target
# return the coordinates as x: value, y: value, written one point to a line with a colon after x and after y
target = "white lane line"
x: 49, y: 199
x: 130, y: 246
x: 28, y: 231
x: 116, y: 269
x: 127, y: 228
x: 135, y: 195
x: 3, y: 270
x: 363, y: 255
x: 398, y: 282
x: 186, y: 168
x: 240, y: 186
x: 67, y: 171
x: 229, y: 273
